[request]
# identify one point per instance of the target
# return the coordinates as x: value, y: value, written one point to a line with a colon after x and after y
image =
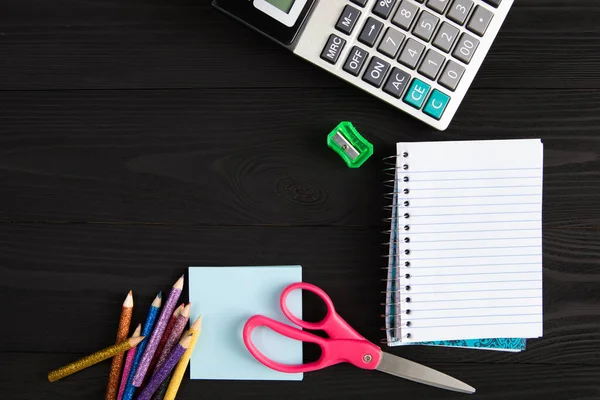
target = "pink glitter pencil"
x: 128, y: 364
x: 164, y: 371
x: 157, y: 333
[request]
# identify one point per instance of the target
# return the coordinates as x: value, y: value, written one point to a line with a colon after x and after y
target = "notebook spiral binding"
x: 397, y: 326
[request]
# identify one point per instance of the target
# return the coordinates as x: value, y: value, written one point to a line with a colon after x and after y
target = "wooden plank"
x: 177, y: 156
x: 186, y: 44
x: 24, y: 372
x: 73, y: 278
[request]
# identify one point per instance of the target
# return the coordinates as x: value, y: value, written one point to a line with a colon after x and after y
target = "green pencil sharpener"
x: 349, y: 144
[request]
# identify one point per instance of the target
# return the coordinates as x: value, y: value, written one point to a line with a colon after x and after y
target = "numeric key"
x: 425, y: 26
x: 459, y: 11
x: 383, y: 8
x: 405, y: 15
x: 391, y: 42
x: 431, y: 65
x: 411, y: 53
x: 451, y: 75
x: 466, y: 47
x: 445, y: 37
x: 438, y: 5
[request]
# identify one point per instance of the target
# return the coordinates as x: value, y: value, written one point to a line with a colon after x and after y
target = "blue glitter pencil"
x: 148, y: 326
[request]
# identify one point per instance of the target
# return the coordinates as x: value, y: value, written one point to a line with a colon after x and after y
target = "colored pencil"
x: 178, y: 328
x: 157, y: 333
x: 146, y: 331
x: 179, y: 372
x: 128, y: 363
x: 112, y: 389
x: 162, y: 389
x: 94, y: 358
x: 163, y: 340
x: 166, y: 368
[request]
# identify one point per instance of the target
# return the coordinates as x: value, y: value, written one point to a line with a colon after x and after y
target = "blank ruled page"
x: 470, y: 239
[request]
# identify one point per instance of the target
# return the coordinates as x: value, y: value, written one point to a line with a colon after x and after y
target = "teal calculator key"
x: 417, y: 93
x: 436, y: 104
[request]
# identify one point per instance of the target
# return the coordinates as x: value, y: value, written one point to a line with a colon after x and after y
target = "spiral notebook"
x: 465, y: 243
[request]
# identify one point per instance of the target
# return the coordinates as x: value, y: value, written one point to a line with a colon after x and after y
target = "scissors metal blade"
x: 413, y: 371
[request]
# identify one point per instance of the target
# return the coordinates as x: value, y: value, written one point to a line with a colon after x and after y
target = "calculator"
x: 420, y: 56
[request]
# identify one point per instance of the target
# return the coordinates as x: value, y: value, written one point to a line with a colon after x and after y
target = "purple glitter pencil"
x: 164, y: 371
x: 157, y: 333
x: 175, y: 335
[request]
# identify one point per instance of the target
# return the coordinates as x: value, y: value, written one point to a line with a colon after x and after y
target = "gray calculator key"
x: 405, y: 15
x: 438, y: 5
x: 376, y: 71
x: 396, y: 83
x: 432, y: 63
x: 459, y: 11
x: 383, y: 8
x: 333, y: 49
x: 451, y: 75
x: 355, y: 61
x: 370, y: 32
x: 480, y: 20
x: 391, y: 42
x: 445, y: 37
x: 425, y: 26
x: 466, y: 47
x: 411, y: 53
x: 361, y: 3
x: 347, y: 20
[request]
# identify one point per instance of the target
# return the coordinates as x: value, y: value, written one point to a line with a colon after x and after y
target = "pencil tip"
x: 179, y: 283
x: 159, y: 295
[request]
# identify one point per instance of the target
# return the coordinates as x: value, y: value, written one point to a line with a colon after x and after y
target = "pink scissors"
x: 343, y: 345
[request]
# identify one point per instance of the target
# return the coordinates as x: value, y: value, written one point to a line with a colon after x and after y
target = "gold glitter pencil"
x: 112, y: 389
x: 95, y: 358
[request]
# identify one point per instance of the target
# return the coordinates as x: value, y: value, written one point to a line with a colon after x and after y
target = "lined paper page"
x: 473, y: 265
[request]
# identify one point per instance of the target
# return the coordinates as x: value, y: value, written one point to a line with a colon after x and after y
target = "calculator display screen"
x: 283, y: 5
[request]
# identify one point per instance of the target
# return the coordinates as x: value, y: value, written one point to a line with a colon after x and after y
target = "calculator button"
x: 459, y: 10
x: 425, y: 26
x: 361, y: 3
x: 480, y: 20
x: 411, y: 53
x: 494, y: 3
x: 383, y: 8
x: 355, y: 61
x: 445, y: 37
x: 438, y: 5
x: 396, y: 83
x: 465, y: 48
x: 436, y: 104
x: 347, y: 20
x: 407, y: 11
x: 333, y: 49
x: 370, y: 32
x: 391, y: 42
x: 451, y: 75
x: 431, y: 65
x: 417, y: 93
x: 376, y: 71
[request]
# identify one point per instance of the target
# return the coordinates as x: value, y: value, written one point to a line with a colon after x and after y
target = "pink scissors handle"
x: 332, y: 323
x: 344, y: 345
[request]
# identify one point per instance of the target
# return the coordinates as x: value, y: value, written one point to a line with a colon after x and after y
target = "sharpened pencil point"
x: 179, y: 283
x: 128, y: 300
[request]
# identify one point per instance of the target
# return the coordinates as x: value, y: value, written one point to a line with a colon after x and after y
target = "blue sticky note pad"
x: 226, y: 297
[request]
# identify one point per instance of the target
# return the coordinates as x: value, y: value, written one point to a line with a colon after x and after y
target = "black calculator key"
x: 494, y: 3
x: 361, y: 3
x: 396, y: 83
x: 383, y: 8
x: 376, y: 71
x: 347, y: 20
x: 370, y: 32
x: 355, y: 61
x: 333, y: 49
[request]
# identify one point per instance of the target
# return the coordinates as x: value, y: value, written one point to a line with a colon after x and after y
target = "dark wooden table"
x: 138, y: 137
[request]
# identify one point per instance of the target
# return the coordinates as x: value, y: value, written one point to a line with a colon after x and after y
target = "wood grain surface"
x: 138, y: 137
